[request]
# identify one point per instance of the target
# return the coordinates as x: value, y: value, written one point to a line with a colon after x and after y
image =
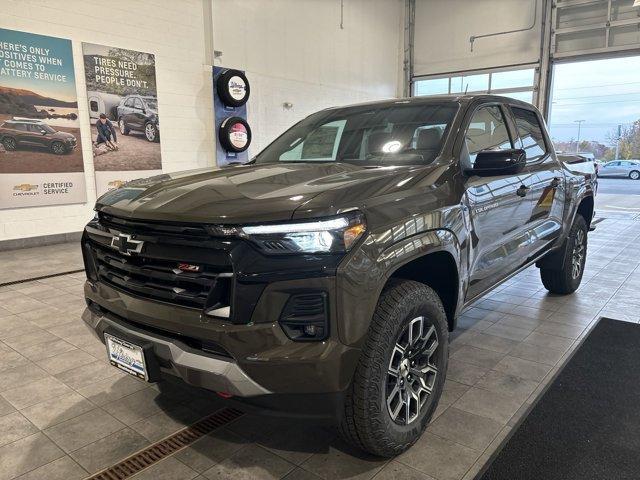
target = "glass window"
x: 20, y: 126
x: 524, y: 96
x: 129, y: 102
x: 470, y: 83
x: 487, y: 131
x: 93, y: 105
x: 138, y: 104
x: 435, y: 86
x: 530, y: 133
x: 380, y: 135
x: 512, y: 79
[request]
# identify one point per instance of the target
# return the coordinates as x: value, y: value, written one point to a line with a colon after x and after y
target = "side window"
x: 138, y: 104
x: 487, y: 131
x: 20, y: 126
x: 129, y: 102
x: 93, y: 105
x: 530, y: 133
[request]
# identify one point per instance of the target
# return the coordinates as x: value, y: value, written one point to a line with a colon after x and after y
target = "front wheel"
x: 58, y: 148
x: 9, y: 144
x: 124, y: 130
x: 634, y: 175
x: 567, y: 278
x: 401, y: 371
x: 151, y: 132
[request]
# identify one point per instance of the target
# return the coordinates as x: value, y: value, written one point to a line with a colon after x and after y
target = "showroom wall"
x: 295, y: 52
x: 443, y: 28
x: 174, y: 32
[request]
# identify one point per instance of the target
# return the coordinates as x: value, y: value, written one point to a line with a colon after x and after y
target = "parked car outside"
x: 621, y: 168
x: 28, y: 133
x: 322, y: 279
x: 139, y: 113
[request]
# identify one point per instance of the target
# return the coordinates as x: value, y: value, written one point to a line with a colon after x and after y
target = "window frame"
x: 547, y: 149
x: 506, y: 115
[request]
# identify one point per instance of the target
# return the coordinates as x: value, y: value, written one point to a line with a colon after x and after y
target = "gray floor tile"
x: 477, y: 356
x: 22, y: 375
x: 139, y: 405
x: 464, y: 373
x: 561, y: 330
x: 465, y: 428
x: 57, y: 410
x: 162, y: 424
x: 62, y: 362
x: 89, y: 373
x: 523, y: 368
x: 439, y: 457
x: 168, y: 469
x: 299, y: 474
x: 210, y: 450
x: 109, y: 450
x: 536, y: 353
x: 27, y: 454
x: 251, y: 462
x: 112, y: 388
x: 549, y: 341
x: 506, y: 384
x: 83, y: 430
x: 398, y: 471
x: 14, y: 427
x: 493, y: 405
x: 35, y: 392
x: 63, y: 468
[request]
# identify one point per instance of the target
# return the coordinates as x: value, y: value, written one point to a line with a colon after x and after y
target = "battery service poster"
x: 121, y: 86
x: 40, y: 151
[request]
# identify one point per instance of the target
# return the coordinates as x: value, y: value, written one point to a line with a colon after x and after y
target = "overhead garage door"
x: 588, y: 27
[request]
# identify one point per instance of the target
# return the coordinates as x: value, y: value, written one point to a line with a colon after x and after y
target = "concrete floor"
x: 65, y: 413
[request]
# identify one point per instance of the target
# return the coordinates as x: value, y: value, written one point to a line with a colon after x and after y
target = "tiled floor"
x: 39, y: 261
x: 64, y: 412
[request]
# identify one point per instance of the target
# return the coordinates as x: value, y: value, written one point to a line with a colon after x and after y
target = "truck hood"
x: 255, y: 193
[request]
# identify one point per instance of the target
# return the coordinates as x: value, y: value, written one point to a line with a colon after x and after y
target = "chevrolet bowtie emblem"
x: 126, y: 245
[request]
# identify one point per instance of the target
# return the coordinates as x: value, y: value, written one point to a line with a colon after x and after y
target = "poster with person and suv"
x: 40, y: 152
x: 123, y: 108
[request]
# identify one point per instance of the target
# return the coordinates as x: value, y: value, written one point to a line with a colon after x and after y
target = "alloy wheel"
x: 577, y: 257
x: 123, y: 127
x: 150, y: 132
x: 412, y: 371
x: 634, y: 175
x: 57, y: 148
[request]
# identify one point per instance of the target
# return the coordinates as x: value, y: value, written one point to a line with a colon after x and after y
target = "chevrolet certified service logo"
x: 25, y: 187
x: 126, y: 245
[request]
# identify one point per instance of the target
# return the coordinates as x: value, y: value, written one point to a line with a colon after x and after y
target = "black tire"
x: 58, y: 148
x: 151, y: 132
x: 228, y: 127
x: 233, y: 88
x: 367, y: 421
x: 124, y: 129
x: 9, y: 144
x: 634, y: 174
x: 566, y: 279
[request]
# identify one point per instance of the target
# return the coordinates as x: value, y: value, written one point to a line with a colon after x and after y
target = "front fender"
x: 362, y: 277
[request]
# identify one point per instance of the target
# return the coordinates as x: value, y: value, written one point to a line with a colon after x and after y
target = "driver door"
x: 497, y: 205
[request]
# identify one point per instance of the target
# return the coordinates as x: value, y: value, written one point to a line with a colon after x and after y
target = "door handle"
x: 555, y: 183
x: 522, y: 191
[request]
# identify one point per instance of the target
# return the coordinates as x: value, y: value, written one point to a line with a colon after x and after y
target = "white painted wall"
x: 295, y: 51
x: 443, y: 28
x: 173, y: 31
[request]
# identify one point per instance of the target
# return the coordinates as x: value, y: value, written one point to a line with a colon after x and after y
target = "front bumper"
x: 178, y: 359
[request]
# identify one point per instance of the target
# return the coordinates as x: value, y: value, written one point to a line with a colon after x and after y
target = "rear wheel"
x: 9, y: 143
x: 634, y: 175
x: 567, y: 278
x: 401, y: 371
x: 124, y: 130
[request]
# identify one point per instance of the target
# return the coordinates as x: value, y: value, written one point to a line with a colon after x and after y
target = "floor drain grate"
x: 170, y: 445
x: 41, y: 277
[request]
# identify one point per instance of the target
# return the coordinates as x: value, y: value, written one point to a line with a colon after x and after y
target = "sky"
x: 58, y: 48
x: 603, y: 93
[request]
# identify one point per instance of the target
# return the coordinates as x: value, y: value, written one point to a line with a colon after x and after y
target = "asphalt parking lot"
x: 618, y: 195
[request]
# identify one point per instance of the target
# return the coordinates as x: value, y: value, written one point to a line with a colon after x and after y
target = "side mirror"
x: 499, y: 162
x: 43, y: 132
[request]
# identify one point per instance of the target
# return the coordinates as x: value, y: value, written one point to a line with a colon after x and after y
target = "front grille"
x: 175, y: 265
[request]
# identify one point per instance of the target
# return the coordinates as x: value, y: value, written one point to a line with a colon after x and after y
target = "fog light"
x: 305, y: 317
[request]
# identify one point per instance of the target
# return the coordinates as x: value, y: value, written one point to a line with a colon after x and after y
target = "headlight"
x: 327, y: 235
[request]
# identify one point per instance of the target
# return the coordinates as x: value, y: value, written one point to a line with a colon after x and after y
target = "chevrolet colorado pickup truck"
x: 323, y: 278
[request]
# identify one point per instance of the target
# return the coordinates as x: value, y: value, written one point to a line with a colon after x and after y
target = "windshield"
x: 367, y: 135
x: 46, y: 128
x: 151, y: 103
